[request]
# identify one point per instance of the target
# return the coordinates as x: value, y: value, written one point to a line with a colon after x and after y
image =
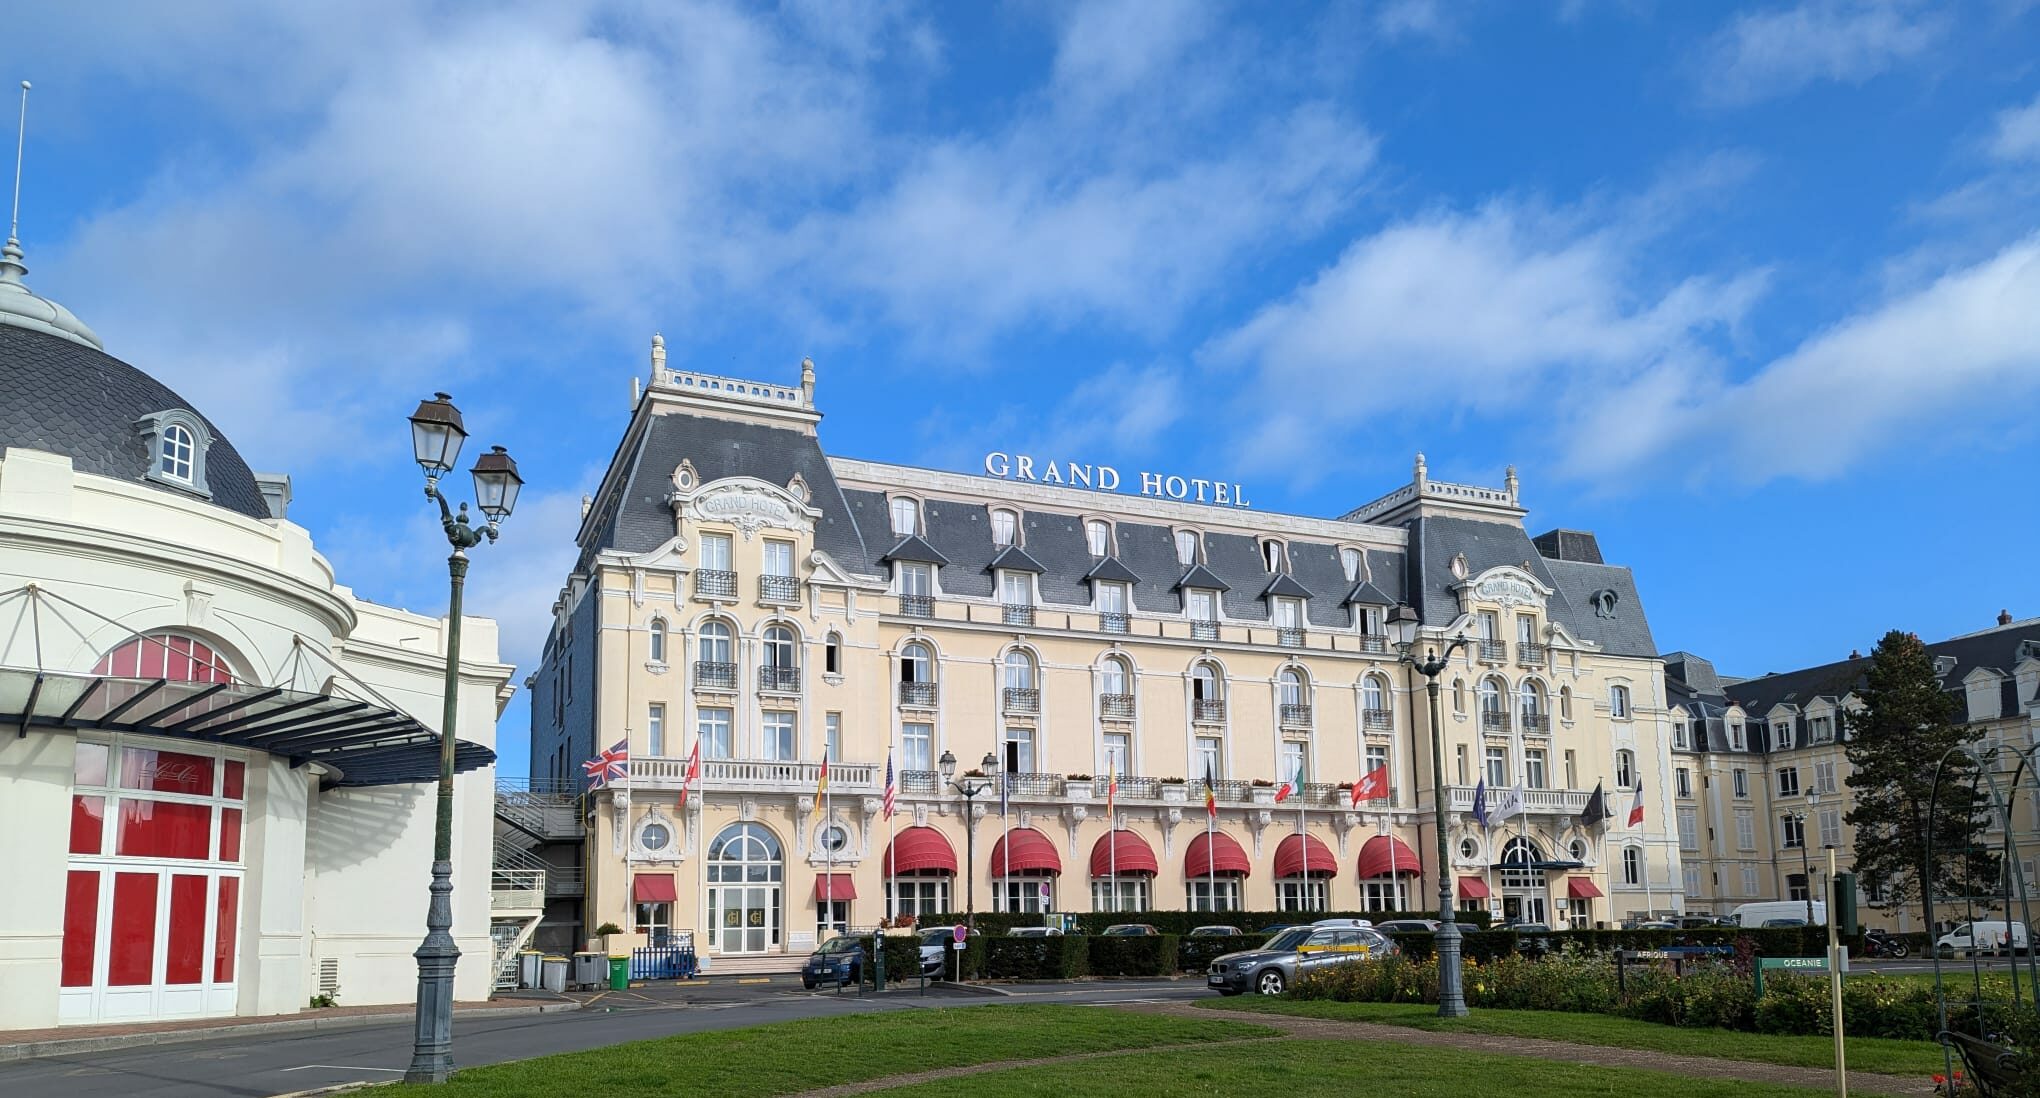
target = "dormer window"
x: 1351, y: 560
x: 1186, y: 547
x: 177, y: 440
x: 1005, y: 529
x: 1098, y: 536
x: 906, y: 517
x: 1782, y: 736
x: 1273, y: 555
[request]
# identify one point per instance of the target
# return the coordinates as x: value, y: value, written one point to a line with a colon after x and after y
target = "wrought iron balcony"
x: 1110, y: 621
x: 1021, y: 699
x: 715, y: 676
x: 714, y: 583
x: 1529, y: 654
x: 1224, y: 789
x: 1116, y: 706
x: 1207, y: 711
x: 1289, y: 637
x: 920, y: 781
x: 917, y: 606
x: 1494, y: 651
x: 779, y: 680
x: 1535, y: 722
x: 921, y: 695
x: 1373, y: 644
x: 1017, y: 613
x: 1131, y: 788
x: 779, y: 589
x: 1377, y: 720
x: 1494, y: 720
x: 1204, y: 630
x: 1295, y: 715
x: 1034, y: 785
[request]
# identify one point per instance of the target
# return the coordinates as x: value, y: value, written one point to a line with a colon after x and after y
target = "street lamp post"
x: 437, y: 434
x: 1805, y: 863
x: 1451, y: 986
x: 969, y: 791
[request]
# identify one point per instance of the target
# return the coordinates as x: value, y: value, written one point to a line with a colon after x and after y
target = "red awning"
x: 1472, y: 888
x: 835, y: 886
x: 1123, y: 852
x: 1386, y: 856
x: 1215, y: 852
x: 919, y: 849
x: 1579, y: 888
x: 1024, y: 850
x: 1301, y: 854
x: 653, y: 888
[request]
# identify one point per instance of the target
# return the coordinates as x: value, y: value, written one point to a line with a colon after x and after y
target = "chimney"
x: 1855, y: 654
x: 2004, y: 617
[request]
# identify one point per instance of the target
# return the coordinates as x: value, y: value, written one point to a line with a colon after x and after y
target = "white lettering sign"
x: 1105, y: 478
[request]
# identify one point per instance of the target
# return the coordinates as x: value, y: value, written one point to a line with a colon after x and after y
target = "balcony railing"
x: 1131, y: 788
x: 1034, y: 785
x: 1377, y: 720
x: 1327, y: 792
x: 923, y: 782
x: 1020, y: 699
x: 1204, y: 630
x: 1295, y: 715
x: 1289, y: 636
x: 779, y: 589
x: 1535, y: 722
x: 1207, y: 711
x: 713, y: 583
x: 918, y: 694
x: 1550, y: 802
x: 779, y: 680
x: 1224, y: 789
x: 1117, y: 707
x: 776, y: 775
x: 1111, y: 621
x: 1494, y: 721
x: 917, y: 606
x: 715, y: 676
x: 1016, y: 613
x: 1494, y: 651
x: 1529, y: 654
x: 1374, y: 644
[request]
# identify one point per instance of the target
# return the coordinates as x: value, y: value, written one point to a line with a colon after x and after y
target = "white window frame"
x: 907, y: 510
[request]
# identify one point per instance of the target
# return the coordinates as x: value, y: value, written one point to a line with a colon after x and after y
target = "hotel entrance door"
x: 744, y: 873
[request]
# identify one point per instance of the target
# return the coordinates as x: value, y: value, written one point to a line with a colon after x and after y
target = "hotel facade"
x: 1048, y: 625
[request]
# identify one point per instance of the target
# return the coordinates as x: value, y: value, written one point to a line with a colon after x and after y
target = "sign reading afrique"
x: 1105, y: 478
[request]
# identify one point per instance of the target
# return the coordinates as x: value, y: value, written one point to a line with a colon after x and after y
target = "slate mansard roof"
x: 855, y: 530
x: 65, y: 396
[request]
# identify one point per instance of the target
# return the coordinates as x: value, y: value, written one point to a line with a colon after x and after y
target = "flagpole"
x: 891, y: 832
x: 1112, y: 827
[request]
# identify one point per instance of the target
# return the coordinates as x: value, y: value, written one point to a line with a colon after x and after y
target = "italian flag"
x: 1291, y: 787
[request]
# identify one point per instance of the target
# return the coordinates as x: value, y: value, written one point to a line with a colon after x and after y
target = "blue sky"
x: 1751, y: 291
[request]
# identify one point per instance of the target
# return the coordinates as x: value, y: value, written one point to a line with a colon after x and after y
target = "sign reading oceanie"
x: 1105, y: 478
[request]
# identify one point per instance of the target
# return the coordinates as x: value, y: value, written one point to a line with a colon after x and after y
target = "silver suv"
x: 1291, y: 955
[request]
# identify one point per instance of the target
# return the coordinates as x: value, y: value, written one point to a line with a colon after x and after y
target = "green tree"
x: 1907, y: 725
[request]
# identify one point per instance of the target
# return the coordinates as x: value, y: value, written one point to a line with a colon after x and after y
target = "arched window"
x: 1565, y: 703
x: 832, y: 654
x: 745, y: 868
x: 1519, y: 865
x: 1098, y: 537
x: 1491, y: 716
x: 658, y: 640
x: 1019, y: 670
x: 917, y: 664
x: 1005, y: 528
x: 1373, y: 694
x: 1459, y: 695
x: 780, y: 653
x: 1290, y: 685
x: 1530, y: 699
x: 1205, y: 683
x: 1632, y: 865
x: 1350, y: 559
x: 716, y: 645
x: 1186, y: 547
x: 178, y: 452
x: 906, y: 517
x: 1625, y: 768
x: 1618, y: 702
x: 1114, y: 677
x: 1273, y: 556
x: 164, y: 656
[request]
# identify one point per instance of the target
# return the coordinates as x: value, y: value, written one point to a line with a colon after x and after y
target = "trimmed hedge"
x: 1056, y: 957
x: 1488, y: 945
x: 1182, y: 922
x: 1196, y: 954
x: 1131, y: 955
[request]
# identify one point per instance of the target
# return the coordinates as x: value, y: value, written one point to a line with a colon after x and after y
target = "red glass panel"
x: 131, y: 948
x: 230, y: 834
x: 88, y: 767
x: 159, y: 829
x: 88, y: 828
x: 226, y: 918
x: 166, y: 771
x: 184, y: 956
x: 236, y: 780
x: 179, y: 659
x: 81, y: 927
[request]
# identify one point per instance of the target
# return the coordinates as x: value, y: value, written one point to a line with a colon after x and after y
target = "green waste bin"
x: 619, y: 973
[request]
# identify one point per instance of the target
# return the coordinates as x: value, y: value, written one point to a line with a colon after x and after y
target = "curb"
x: 67, y: 1046
x: 979, y: 989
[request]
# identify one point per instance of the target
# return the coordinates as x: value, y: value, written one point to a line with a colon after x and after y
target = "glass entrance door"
x: 744, y: 872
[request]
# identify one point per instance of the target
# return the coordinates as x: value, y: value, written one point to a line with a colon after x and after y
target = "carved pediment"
x: 1506, y: 586
x: 748, y: 504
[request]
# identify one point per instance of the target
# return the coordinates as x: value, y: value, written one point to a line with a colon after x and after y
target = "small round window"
x: 656, y: 837
x: 1469, y: 849
x: 1579, y: 850
x: 833, y: 839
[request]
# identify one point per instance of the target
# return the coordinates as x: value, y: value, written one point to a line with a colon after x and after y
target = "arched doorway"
x: 746, y: 869
x: 1524, y: 889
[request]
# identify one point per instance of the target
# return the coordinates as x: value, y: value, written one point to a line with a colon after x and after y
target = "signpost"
x: 1797, y: 964
x: 957, y: 947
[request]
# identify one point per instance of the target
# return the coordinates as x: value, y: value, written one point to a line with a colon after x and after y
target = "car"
x: 1034, y: 932
x: 1291, y: 955
x: 935, y: 942
x: 1408, y: 926
x: 1131, y: 930
x: 1656, y: 924
x: 1775, y: 924
x: 839, y: 961
x: 1360, y: 924
x: 1697, y: 922
x: 1216, y: 932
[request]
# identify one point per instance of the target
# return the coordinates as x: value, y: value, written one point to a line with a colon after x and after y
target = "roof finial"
x: 1509, y: 481
x: 11, y: 267
x: 658, y: 355
x: 1420, y: 473
x: 807, y: 381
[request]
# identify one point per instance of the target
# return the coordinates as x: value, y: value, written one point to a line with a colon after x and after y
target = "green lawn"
x: 1298, y: 1069
x: 787, y: 1057
x: 1920, y: 1058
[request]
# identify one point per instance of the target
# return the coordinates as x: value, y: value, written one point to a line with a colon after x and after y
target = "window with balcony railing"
x: 1494, y: 651
x: 1289, y: 637
x: 1493, y: 721
x: 1377, y: 719
x: 1295, y: 716
x: 780, y: 589
x: 1208, y: 711
x: 1116, y: 706
x: 713, y: 583
x: 1535, y: 722
x: 917, y: 606
x: 1529, y: 654
x: 1373, y: 643
x: 1204, y: 630
x: 779, y: 680
x: 920, y: 781
x: 1016, y: 613
x: 715, y: 676
x: 1112, y: 622
x: 1021, y: 699
x: 919, y: 694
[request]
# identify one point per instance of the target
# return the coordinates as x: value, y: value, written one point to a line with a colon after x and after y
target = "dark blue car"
x: 840, y: 961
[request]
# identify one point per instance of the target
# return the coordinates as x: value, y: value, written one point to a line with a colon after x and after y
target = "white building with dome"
x: 242, y: 748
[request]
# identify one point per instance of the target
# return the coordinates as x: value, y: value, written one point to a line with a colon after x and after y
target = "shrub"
x: 1794, y: 1004
x: 1131, y: 955
x: 1391, y: 979
x: 1196, y: 954
x: 1182, y: 922
x: 1057, y: 957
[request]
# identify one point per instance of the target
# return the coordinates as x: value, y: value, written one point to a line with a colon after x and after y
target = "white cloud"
x: 2018, y: 133
x: 1778, y: 51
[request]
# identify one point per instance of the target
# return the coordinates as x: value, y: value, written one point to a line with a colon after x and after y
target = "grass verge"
x: 1304, y: 1068
x: 787, y: 1057
x: 1876, y: 1054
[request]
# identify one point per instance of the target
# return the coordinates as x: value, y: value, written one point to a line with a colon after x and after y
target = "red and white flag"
x: 1372, y: 785
x: 693, y: 773
x: 1636, y: 810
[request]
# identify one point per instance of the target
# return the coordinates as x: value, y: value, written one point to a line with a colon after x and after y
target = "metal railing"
x: 1289, y: 636
x: 1020, y: 699
x: 1016, y: 613
x: 1377, y: 720
x: 917, y: 606
x: 1034, y: 785
x: 714, y: 583
x: 1204, y: 630
x: 920, y: 781
x: 1493, y: 651
x: 1207, y: 711
x: 1534, y: 722
x: 1131, y: 788
x: 1529, y: 654
x: 1116, y: 706
x: 1374, y: 644
x: 709, y: 675
x: 779, y: 680
x: 1322, y: 792
x: 1494, y: 720
x: 918, y: 694
x: 1224, y: 789
x: 780, y: 589
x: 1113, y: 621
x: 516, y: 889
x: 1295, y: 715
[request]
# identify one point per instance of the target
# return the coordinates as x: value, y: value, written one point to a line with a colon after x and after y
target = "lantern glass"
x: 496, y: 484
x: 437, y: 434
x: 947, y: 765
x: 1402, y: 625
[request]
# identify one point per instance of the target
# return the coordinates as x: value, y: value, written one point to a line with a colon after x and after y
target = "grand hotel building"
x: 739, y: 587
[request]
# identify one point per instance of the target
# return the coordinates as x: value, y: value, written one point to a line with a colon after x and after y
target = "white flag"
x: 1504, y: 803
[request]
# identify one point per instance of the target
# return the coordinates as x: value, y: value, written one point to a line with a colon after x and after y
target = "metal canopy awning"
x: 361, y: 743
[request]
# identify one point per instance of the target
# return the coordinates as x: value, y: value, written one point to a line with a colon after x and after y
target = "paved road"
x: 271, y: 1064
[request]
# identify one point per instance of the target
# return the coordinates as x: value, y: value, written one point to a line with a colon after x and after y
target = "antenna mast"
x: 20, y: 136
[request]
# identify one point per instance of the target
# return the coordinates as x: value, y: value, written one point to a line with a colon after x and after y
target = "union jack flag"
x: 610, y: 766
x: 891, y: 791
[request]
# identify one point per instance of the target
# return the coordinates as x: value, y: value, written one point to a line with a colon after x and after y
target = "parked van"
x: 1757, y: 914
x: 1983, y: 936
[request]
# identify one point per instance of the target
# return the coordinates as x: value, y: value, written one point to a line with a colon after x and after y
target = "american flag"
x: 891, y: 791
x: 610, y: 766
